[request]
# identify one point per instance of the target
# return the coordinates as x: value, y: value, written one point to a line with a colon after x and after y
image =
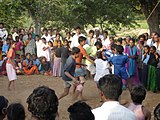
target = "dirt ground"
x: 26, y: 84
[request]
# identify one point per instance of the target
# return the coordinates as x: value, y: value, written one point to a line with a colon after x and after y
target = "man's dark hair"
x: 119, y: 49
x: 81, y: 38
x: 15, y: 111
x: 75, y: 50
x: 98, y: 43
x: 77, y: 27
x: 91, y: 31
x: 142, y: 36
x: 153, y: 47
x: 43, y: 103
x: 113, y: 46
x: 3, y: 104
x: 105, y: 32
x: 80, y: 111
x: 110, y: 86
x: 120, y: 40
x: 157, y: 112
x: 138, y: 94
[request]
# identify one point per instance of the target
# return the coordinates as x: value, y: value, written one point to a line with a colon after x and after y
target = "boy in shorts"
x: 68, y: 75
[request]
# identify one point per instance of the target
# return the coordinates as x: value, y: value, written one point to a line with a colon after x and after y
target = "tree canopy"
x: 108, y: 14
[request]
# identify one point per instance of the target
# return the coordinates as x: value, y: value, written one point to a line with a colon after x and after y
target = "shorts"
x: 80, y: 72
x: 68, y: 84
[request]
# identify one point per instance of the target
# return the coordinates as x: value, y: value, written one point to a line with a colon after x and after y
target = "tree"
x: 151, y: 11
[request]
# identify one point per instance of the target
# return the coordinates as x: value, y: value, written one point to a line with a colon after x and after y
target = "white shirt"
x: 46, y: 37
x: 102, y: 69
x: 150, y: 42
x: 45, y: 53
x: 3, y: 33
x: 74, y: 42
x: 157, y: 47
x: 106, y: 42
x: 112, y: 110
x: 39, y: 47
x: 14, y: 36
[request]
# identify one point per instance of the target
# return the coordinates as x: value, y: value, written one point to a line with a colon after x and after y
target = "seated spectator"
x: 15, y: 111
x: 36, y: 61
x: 110, y: 87
x: 138, y: 94
x: 157, y: 112
x: 18, y: 63
x: 28, y: 66
x: 3, y: 107
x: 80, y: 111
x: 43, y: 103
x: 45, y: 66
x: 3, y: 65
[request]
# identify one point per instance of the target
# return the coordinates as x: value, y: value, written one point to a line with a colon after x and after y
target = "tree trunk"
x: 153, y: 21
x: 37, y: 27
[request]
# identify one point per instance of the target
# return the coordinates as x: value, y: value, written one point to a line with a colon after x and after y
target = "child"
x: 5, y: 46
x: 45, y: 66
x: 45, y: 49
x: 51, y: 50
x: 138, y: 94
x: 57, y: 60
x: 68, y: 74
x: 19, y: 45
x: 102, y: 67
x: 65, y: 54
x: 36, y: 61
x: 10, y: 66
x: 145, y: 59
x: 28, y: 66
x: 18, y: 65
x: 119, y: 61
x: 152, y: 66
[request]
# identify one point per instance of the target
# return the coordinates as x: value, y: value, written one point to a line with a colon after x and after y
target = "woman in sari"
x: 132, y: 52
x: 30, y: 45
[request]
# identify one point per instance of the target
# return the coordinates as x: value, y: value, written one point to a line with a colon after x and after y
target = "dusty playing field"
x: 26, y: 84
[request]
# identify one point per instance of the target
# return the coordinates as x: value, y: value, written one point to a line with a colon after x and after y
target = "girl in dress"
x: 132, y: 52
x: 145, y: 58
x: 152, y: 67
x: 57, y: 60
x: 10, y: 66
x: 51, y: 50
x: 65, y: 54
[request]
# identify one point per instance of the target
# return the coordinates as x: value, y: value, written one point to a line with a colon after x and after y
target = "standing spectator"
x: 15, y: 33
x: 132, y: 52
x: 3, y: 107
x: 145, y: 59
x: 31, y: 31
x: 91, y: 40
x: 138, y: 94
x: 15, y: 111
x: 57, y: 38
x: 152, y: 67
x: 45, y: 49
x: 65, y: 54
x: 80, y: 111
x: 45, y: 35
x: 105, y: 40
x: 30, y: 45
x: 57, y: 60
x: 19, y: 46
x: 98, y: 36
x: 68, y: 37
x: 51, y: 52
x: 75, y: 42
x: 3, y: 32
x: 110, y: 87
x: 10, y: 66
x: 151, y: 41
x: 43, y: 103
x: 38, y: 46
